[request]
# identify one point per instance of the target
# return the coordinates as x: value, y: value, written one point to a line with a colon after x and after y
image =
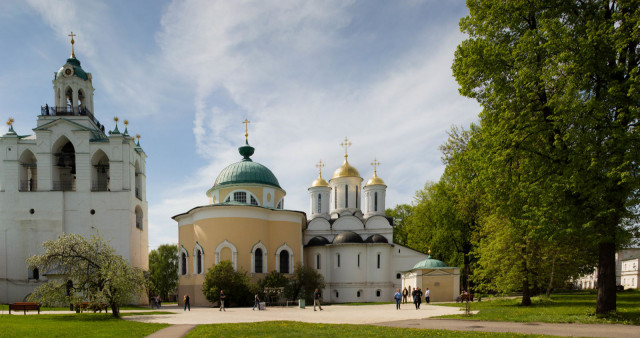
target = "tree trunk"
x: 606, y: 301
x: 553, y: 270
x: 467, y: 270
x: 526, y: 293
x: 115, y: 311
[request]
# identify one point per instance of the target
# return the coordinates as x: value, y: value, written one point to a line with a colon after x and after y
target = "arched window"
x: 183, y: 263
x: 69, y: 99
x: 64, y: 165
x: 138, y: 177
x: 28, y: 171
x: 318, y: 262
x: 346, y: 196
x: 228, y: 199
x: 378, y: 293
x: 280, y: 204
x: 319, y: 203
x: 253, y: 201
x: 240, y: 196
x: 258, y: 260
x: 139, y: 217
x: 81, y: 99
x: 338, y: 259
x: 198, y: 259
x: 100, y: 172
x: 284, y: 261
x: 375, y: 201
x: 199, y: 262
x: 358, y: 260
x: 358, y: 293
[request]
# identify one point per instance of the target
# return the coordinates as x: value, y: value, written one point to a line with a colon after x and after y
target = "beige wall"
x: 273, y: 229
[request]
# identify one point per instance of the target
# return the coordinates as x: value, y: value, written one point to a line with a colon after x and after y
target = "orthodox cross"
x: 320, y: 165
x: 345, y: 144
x: 375, y: 165
x: 73, y: 55
x: 246, y: 129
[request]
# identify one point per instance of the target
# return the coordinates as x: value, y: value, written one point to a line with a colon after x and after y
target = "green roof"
x: 430, y: 263
x: 77, y: 69
x: 246, y: 171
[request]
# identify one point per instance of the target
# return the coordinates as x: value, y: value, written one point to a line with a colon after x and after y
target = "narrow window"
x: 398, y: 275
x: 338, y: 260
x: 358, y: 260
x: 318, y: 262
x: 377, y: 293
x: 378, y: 261
x: 253, y: 201
x: 284, y: 261
x: 357, y: 196
x: 358, y: 294
x: 335, y: 199
x: 258, y: 260
x: 375, y: 201
x: 199, y: 261
x: 346, y: 196
x: 184, y: 264
x: 337, y: 294
x: 319, y: 203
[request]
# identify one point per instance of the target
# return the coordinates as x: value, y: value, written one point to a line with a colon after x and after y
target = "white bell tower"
x: 72, y: 87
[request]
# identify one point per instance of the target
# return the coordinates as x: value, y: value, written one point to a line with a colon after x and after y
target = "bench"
x: 464, y: 298
x: 24, y: 306
x: 91, y: 306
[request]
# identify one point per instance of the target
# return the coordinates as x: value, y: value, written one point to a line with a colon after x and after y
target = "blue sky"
x: 305, y: 73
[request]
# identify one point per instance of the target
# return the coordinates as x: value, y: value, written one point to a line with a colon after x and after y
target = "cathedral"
x: 69, y: 176
x: 349, y: 242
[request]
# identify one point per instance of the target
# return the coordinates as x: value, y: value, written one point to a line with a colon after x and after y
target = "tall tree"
x: 560, y: 89
x: 92, y: 272
x: 163, y: 269
x: 400, y: 215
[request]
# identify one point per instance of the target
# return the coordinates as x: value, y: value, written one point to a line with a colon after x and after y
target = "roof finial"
x: 138, y: 137
x: 246, y: 130
x: 73, y: 54
x: 345, y: 144
x: 375, y: 165
x: 126, y: 123
x: 10, y: 121
x: 320, y: 165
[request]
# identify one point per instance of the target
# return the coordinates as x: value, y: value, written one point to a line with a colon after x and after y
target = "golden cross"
x: 10, y: 121
x: 375, y: 164
x: 246, y: 128
x: 345, y: 144
x: 320, y: 165
x: 73, y: 55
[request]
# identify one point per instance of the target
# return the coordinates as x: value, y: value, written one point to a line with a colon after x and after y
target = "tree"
x: 235, y: 284
x: 558, y: 82
x: 91, y: 271
x: 163, y: 269
x: 400, y: 215
x: 303, y: 283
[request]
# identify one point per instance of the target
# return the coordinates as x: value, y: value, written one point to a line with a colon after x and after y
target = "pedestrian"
x: 405, y: 293
x: 316, y: 300
x: 158, y: 301
x: 418, y: 297
x: 413, y: 295
x: 186, y: 302
x: 256, y: 302
x: 222, y: 298
x: 398, y: 298
x: 426, y: 296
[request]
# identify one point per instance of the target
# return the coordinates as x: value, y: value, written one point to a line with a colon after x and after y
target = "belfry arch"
x: 28, y: 171
x: 100, y: 172
x: 64, y: 165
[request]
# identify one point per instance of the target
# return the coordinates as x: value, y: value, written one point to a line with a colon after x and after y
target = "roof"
x: 77, y: 69
x: 318, y: 241
x: 346, y: 170
x: 246, y: 171
x: 430, y: 263
x: 377, y: 238
x: 347, y: 237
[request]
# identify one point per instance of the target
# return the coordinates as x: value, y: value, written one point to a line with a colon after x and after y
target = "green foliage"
x: 559, y: 308
x: 96, y: 272
x: 163, y: 270
x: 77, y: 325
x: 300, y: 329
x: 304, y: 281
x: 235, y: 284
x: 559, y: 85
x: 401, y: 215
x: 273, y: 279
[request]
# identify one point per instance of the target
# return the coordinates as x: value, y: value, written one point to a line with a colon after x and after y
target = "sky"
x: 306, y: 74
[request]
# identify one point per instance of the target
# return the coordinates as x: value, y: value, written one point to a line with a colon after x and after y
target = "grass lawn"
x: 577, y: 307
x: 299, y: 329
x: 75, y: 325
x: 5, y: 307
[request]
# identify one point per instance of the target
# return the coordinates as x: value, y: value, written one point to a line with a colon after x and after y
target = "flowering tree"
x: 91, y: 271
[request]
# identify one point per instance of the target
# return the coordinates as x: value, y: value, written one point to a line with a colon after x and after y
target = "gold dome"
x: 375, y: 180
x: 346, y: 170
x: 320, y: 182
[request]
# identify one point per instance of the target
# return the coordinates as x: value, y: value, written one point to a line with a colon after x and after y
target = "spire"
x: 115, y: 131
x: 73, y: 54
x: 126, y: 123
x: 138, y: 137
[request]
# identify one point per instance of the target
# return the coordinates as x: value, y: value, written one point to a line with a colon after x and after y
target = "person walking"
x: 316, y: 300
x: 222, y: 298
x: 398, y: 298
x: 413, y: 295
x: 426, y: 296
x: 186, y: 302
x: 405, y: 293
x: 256, y: 302
x: 418, y: 297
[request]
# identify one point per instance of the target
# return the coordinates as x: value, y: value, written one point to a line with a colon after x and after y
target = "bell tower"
x: 72, y: 87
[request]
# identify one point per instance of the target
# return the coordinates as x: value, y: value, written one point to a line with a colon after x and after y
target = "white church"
x: 68, y: 176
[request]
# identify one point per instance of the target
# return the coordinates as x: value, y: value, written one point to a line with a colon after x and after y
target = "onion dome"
x: 320, y: 182
x: 318, y: 241
x: 346, y: 170
x: 430, y: 263
x: 72, y: 68
x: 375, y: 180
x: 347, y: 237
x: 246, y: 171
x: 377, y: 238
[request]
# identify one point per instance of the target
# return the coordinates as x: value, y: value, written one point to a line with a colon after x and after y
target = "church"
x: 346, y: 236
x: 69, y: 176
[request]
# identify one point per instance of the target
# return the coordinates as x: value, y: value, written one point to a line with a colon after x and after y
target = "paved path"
x: 573, y: 330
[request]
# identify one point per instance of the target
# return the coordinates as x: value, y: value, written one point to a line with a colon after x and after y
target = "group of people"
x: 187, y: 301
x: 416, y: 294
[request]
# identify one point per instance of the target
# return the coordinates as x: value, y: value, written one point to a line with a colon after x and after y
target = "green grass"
x: 299, y: 329
x: 76, y: 325
x: 577, y: 307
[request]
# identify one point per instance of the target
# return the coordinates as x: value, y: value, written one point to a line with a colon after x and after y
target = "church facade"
x: 349, y: 242
x: 69, y: 176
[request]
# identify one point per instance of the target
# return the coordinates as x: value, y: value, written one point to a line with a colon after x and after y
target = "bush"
x: 235, y: 284
x: 304, y: 282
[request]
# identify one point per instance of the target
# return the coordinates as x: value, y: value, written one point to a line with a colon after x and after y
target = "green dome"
x: 246, y: 171
x: 77, y: 69
x: 430, y: 263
